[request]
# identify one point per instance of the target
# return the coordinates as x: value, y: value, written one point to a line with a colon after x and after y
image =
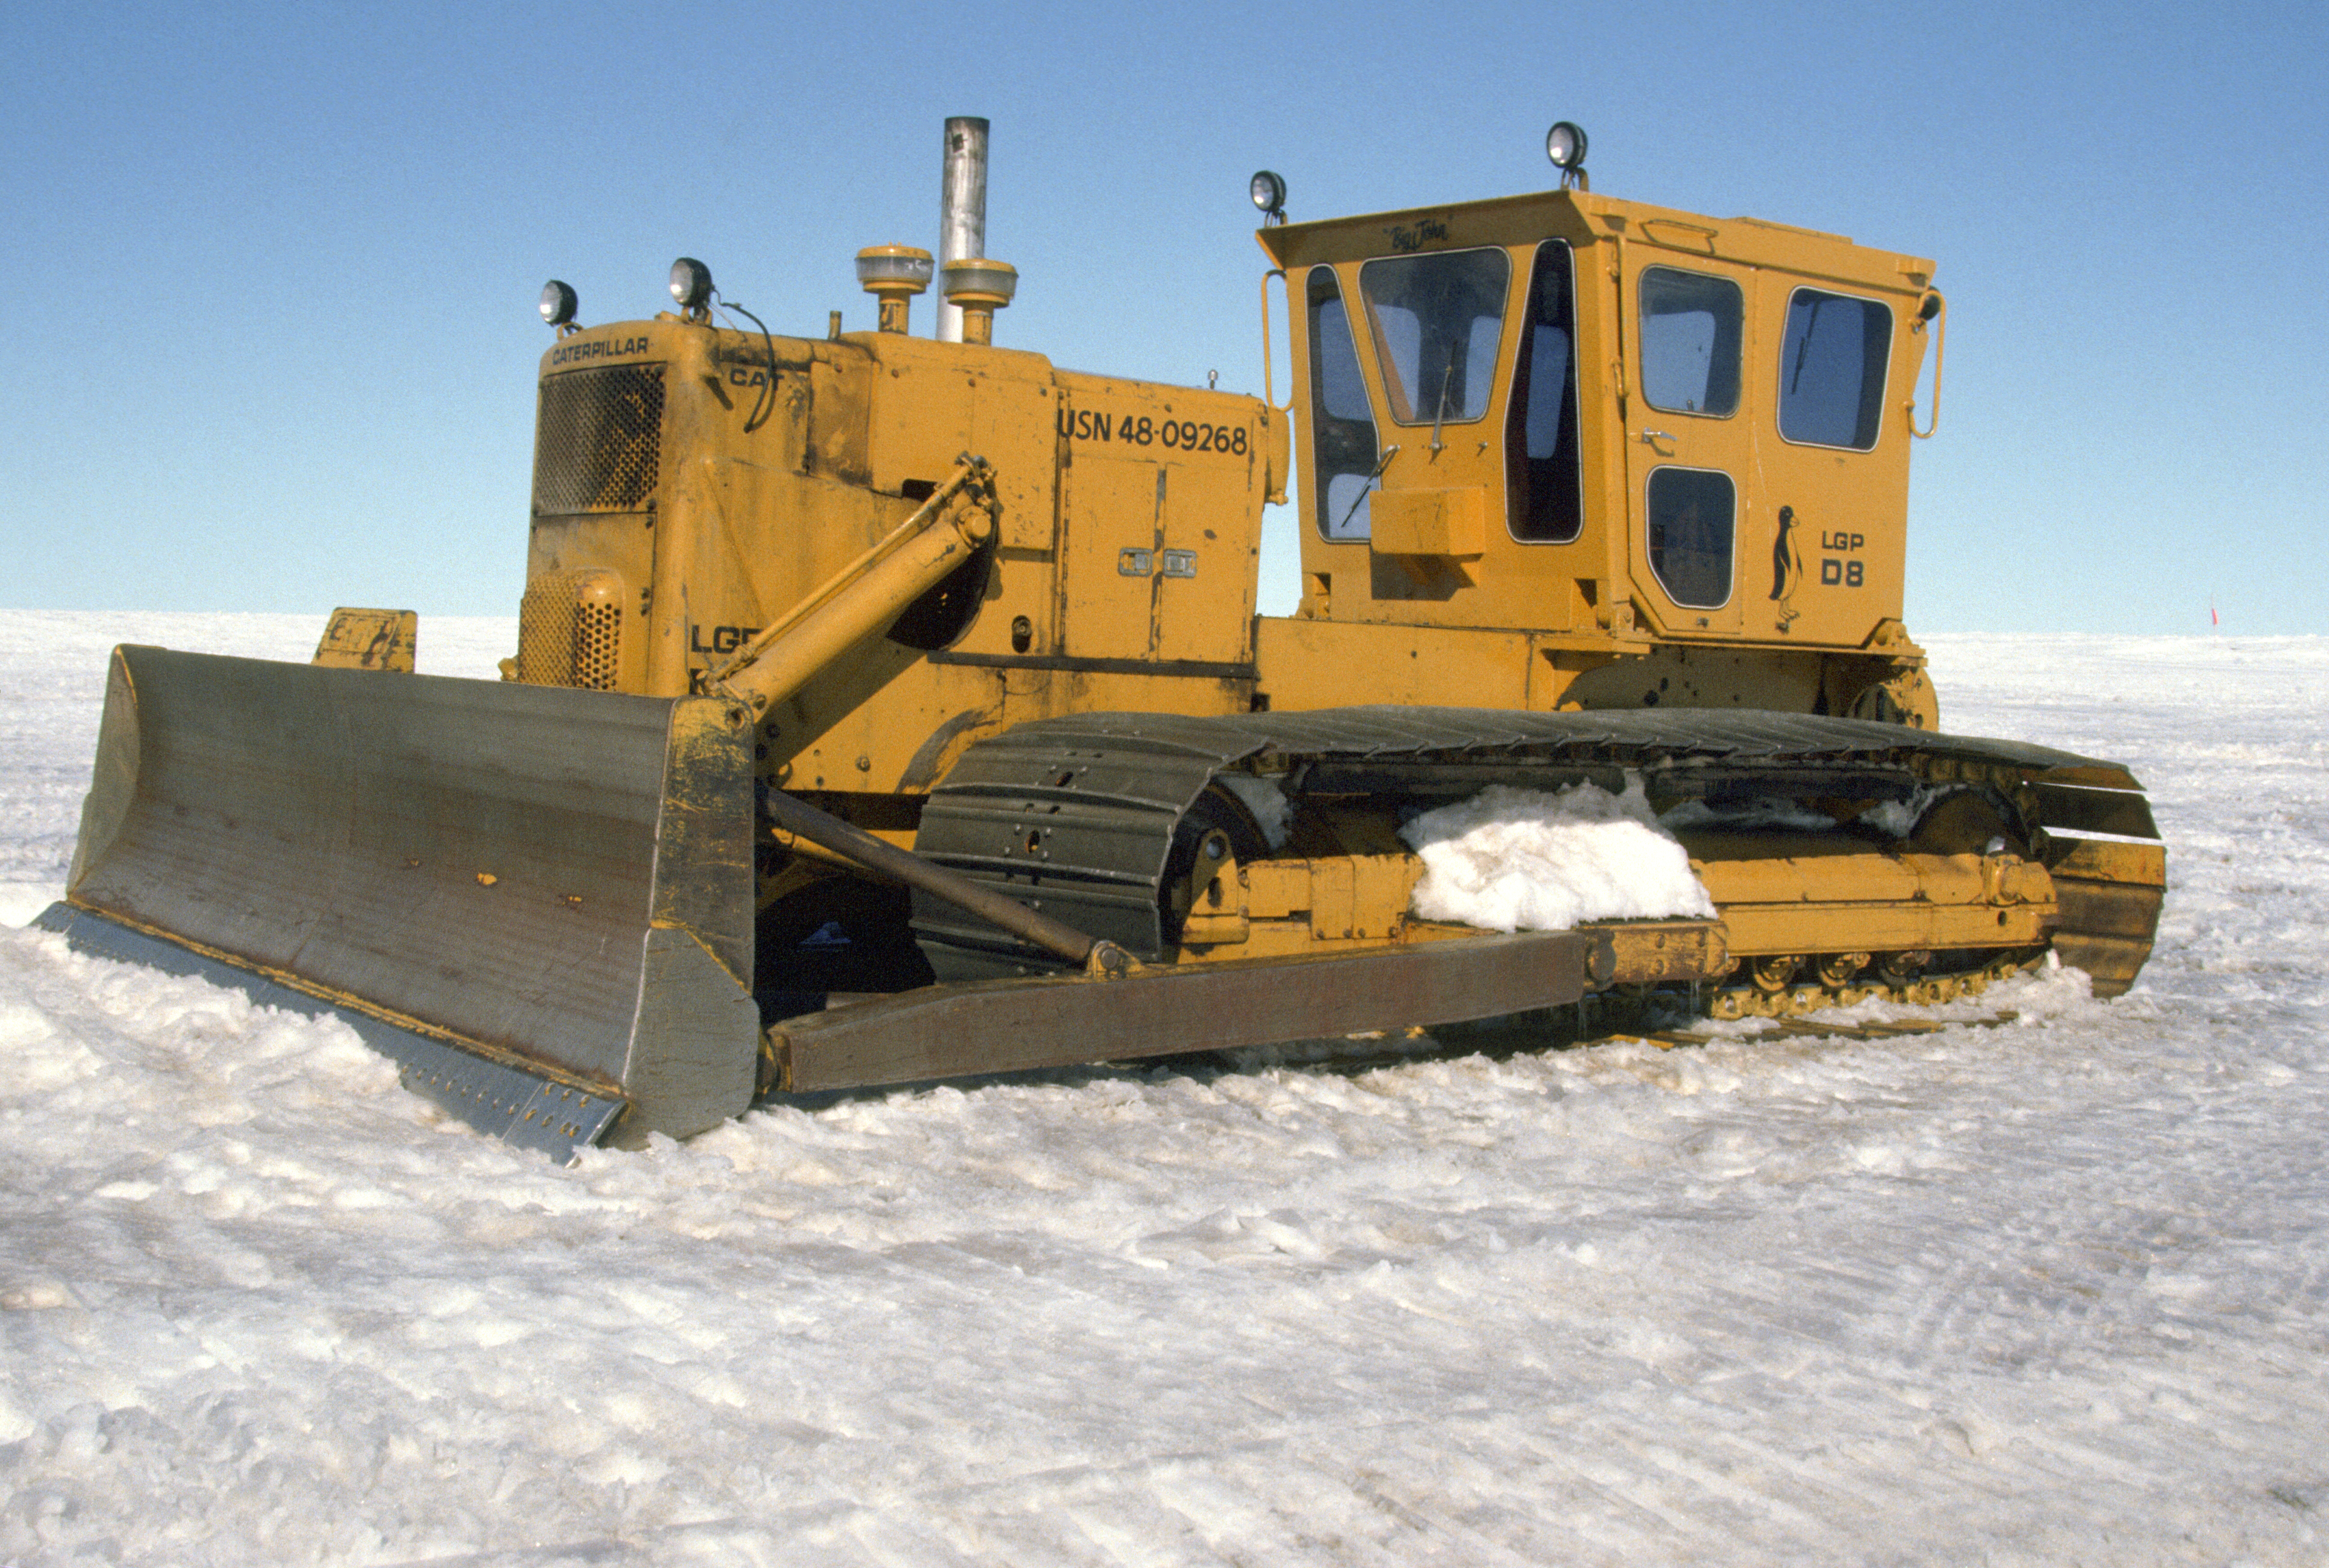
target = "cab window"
x: 1691, y: 516
x: 1831, y: 368
x: 1689, y: 342
x: 1342, y: 424
x: 1437, y: 320
x: 1545, y: 502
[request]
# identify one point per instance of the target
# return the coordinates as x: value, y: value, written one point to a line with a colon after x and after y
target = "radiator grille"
x: 570, y: 630
x: 598, y: 441
x: 598, y: 646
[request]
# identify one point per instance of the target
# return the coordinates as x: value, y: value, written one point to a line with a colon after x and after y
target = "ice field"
x: 2053, y: 1292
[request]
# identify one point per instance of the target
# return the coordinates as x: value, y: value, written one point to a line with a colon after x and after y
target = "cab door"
x: 1833, y: 464
x: 1689, y: 442
x: 1434, y: 323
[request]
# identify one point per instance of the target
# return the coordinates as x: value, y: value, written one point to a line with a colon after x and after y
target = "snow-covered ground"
x: 2054, y: 1292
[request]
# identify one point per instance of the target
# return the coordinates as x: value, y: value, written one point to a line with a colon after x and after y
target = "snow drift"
x: 2048, y: 1292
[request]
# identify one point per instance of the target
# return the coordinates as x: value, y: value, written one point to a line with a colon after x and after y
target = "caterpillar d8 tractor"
x: 891, y: 707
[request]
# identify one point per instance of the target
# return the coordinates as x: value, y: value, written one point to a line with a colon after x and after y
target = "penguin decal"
x: 1787, y: 567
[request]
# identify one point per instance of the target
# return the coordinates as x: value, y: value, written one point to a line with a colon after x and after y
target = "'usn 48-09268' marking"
x: 1143, y: 430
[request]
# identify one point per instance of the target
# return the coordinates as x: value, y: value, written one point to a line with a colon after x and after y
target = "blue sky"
x: 268, y: 273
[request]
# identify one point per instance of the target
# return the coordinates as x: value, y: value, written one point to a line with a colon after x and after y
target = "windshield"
x: 1437, y: 320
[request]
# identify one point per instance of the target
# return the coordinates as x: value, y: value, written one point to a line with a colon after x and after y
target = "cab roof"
x: 1582, y: 218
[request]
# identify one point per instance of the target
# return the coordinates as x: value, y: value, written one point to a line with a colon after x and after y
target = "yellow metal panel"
x: 772, y: 536
x: 1276, y: 888
x: 1829, y: 897
x: 1684, y: 675
x: 1431, y: 522
x: 1013, y: 412
x: 1279, y: 454
x: 1162, y: 533
x: 919, y: 405
x: 930, y: 402
x: 1761, y: 929
x: 369, y: 639
x: 1334, y: 899
x: 1380, y: 887
x: 1207, y: 569
x: 1652, y: 952
x: 1316, y: 663
x: 1790, y: 879
x: 1109, y: 574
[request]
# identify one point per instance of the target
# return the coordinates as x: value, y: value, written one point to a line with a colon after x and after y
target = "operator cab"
x: 1568, y: 413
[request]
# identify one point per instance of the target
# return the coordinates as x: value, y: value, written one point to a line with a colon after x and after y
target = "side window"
x: 1691, y: 516
x: 1832, y: 369
x: 1545, y: 502
x: 1689, y: 342
x: 1342, y: 425
x: 1437, y: 320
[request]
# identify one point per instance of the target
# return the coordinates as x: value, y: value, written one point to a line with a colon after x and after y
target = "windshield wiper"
x: 1368, y: 488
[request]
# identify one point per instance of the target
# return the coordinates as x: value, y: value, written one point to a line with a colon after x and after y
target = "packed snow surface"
x: 1522, y: 860
x: 2047, y: 1293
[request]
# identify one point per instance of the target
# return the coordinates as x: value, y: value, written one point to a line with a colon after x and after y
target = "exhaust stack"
x: 962, y: 213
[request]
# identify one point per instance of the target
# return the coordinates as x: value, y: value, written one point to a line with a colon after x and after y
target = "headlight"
x: 559, y: 302
x: 1564, y: 144
x: 1268, y: 192
x: 690, y: 283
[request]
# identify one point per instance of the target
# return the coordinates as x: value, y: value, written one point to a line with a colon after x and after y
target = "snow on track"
x: 2056, y: 1291
x: 1509, y: 859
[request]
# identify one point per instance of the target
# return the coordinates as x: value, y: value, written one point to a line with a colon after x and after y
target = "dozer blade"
x: 538, y: 901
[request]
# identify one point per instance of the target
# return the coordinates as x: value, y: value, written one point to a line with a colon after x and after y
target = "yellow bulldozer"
x: 889, y: 708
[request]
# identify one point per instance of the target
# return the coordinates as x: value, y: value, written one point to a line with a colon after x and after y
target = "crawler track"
x: 1077, y: 816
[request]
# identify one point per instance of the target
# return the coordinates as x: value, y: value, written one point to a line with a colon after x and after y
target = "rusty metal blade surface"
x: 502, y: 1098
x: 563, y: 876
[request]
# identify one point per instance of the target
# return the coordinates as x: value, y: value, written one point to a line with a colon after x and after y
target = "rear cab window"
x: 1832, y: 364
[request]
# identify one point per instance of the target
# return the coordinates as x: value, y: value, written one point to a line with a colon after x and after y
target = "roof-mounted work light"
x: 1564, y: 144
x: 690, y: 287
x: 1268, y: 192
